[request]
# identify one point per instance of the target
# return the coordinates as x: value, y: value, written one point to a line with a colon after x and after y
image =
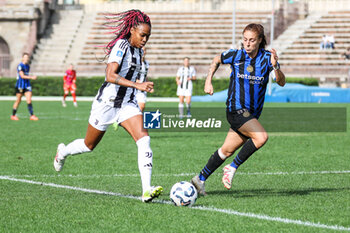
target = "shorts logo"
x: 96, y: 122
x: 152, y: 120
x: 246, y: 114
x: 119, y: 53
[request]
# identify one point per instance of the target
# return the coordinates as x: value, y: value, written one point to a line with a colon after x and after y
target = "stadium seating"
x: 199, y: 36
x: 51, y: 54
x: 303, y: 57
x: 79, y: 38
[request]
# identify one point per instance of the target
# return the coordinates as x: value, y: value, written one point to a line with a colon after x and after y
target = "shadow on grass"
x: 246, y: 193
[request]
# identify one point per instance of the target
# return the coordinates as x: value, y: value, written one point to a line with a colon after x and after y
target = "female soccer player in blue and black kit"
x: 23, y: 87
x: 251, y: 67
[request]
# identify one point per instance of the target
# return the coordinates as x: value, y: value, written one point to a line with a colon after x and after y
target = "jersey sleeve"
x: 19, y: 68
x: 228, y: 56
x: 118, y: 51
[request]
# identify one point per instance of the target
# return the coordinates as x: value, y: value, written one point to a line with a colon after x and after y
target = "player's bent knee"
x: 260, y: 140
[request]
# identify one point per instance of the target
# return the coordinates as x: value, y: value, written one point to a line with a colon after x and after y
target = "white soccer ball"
x: 183, y: 194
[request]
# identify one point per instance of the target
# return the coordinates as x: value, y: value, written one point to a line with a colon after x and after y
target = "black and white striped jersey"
x: 184, y: 73
x: 129, y: 60
x: 144, y: 70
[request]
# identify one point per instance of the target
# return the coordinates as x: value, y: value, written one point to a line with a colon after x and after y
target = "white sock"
x: 145, y: 158
x: 221, y: 155
x: 76, y: 147
x: 181, y: 109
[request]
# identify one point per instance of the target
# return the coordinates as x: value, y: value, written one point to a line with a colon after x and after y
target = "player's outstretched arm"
x: 208, y: 87
x: 113, y: 77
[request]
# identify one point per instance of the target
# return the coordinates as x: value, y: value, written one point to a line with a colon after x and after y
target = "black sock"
x: 213, y: 163
x: 30, y: 109
x: 247, y: 150
x: 14, y: 111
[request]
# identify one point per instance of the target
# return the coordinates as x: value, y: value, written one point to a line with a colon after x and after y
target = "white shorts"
x: 184, y: 92
x: 141, y: 97
x: 103, y: 115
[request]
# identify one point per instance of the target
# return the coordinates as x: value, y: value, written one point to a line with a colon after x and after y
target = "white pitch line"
x: 85, y: 98
x: 203, y: 208
x: 183, y: 174
x: 274, y: 219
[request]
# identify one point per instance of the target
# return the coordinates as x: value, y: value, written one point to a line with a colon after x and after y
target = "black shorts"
x: 22, y: 90
x: 238, y: 118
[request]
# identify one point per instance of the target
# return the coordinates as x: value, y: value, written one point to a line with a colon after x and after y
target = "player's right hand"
x: 208, y: 88
x: 34, y: 77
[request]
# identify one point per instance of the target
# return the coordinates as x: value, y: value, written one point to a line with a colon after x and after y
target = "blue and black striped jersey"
x: 22, y: 83
x: 248, y: 80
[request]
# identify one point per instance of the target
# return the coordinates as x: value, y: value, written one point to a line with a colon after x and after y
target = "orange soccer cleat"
x: 14, y: 118
x: 33, y: 118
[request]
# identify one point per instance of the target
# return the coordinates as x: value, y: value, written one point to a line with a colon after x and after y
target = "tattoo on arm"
x: 117, y: 79
x: 213, y: 67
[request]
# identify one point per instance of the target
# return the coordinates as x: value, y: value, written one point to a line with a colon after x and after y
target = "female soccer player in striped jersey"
x: 115, y: 100
x: 251, y: 67
x: 185, y: 75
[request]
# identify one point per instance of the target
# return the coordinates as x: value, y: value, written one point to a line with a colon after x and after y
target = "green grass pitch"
x: 298, y: 182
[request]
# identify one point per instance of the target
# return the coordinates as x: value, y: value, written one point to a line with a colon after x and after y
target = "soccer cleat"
x: 64, y: 103
x: 75, y: 104
x: 199, y: 184
x: 14, y: 118
x: 152, y: 193
x: 115, y: 126
x: 58, y: 163
x: 229, y: 173
x: 33, y: 118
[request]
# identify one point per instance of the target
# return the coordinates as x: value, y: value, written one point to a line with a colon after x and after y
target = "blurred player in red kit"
x: 69, y: 80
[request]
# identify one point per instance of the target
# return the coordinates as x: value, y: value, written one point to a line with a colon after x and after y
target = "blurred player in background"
x: 69, y: 85
x: 251, y: 67
x: 185, y: 75
x: 23, y: 86
x: 115, y: 100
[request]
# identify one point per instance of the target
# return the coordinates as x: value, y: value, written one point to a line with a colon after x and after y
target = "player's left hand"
x: 274, y: 57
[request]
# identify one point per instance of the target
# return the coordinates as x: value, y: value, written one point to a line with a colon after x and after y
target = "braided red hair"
x: 121, y: 23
